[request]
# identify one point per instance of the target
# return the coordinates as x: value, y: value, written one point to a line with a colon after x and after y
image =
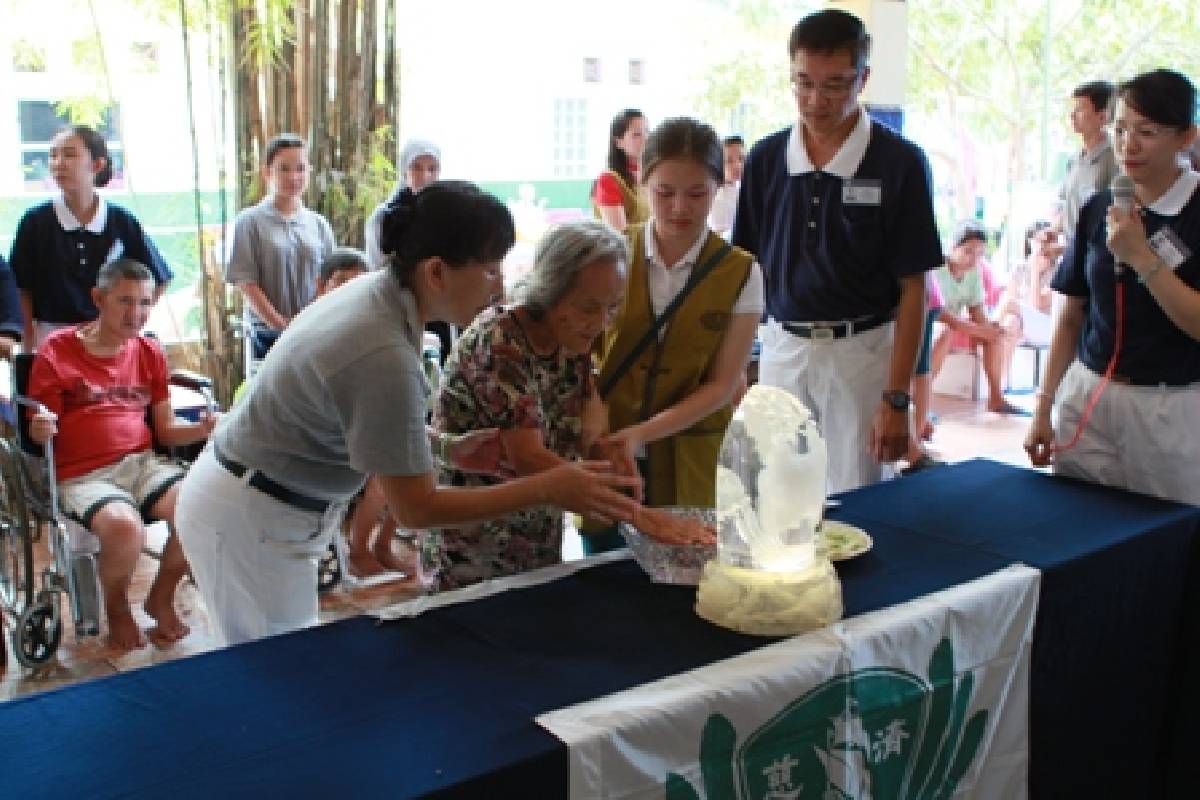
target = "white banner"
x: 929, y: 699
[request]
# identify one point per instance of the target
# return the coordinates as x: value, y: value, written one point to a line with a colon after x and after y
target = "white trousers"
x: 1142, y: 438
x: 840, y: 380
x: 254, y: 558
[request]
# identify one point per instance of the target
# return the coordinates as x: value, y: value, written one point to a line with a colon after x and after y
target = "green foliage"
x: 746, y: 90
x: 28, y: 57
x: 84, y: 109
x: 181, y: 254
x: 268, y: 30
x: 347, y: 198
x: 989, y: 66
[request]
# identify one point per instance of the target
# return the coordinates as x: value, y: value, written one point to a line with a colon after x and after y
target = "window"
x: 570, y: 137
x: 637, y: 71
x: 591, y: 70
x: 38, y: 121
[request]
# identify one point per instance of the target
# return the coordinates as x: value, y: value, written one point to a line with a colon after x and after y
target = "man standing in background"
x: 1095, y: 166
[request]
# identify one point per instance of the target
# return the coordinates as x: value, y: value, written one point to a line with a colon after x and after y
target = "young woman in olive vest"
x: 669, y: 407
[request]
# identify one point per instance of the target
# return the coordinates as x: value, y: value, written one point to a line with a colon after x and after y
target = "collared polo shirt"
x: 282, y: 255
x: 1088, y: 173
x: 664, y: 283
x: 835, y: 242
x: 57, y: 259
x: 340, y: 396
x: 1153, y: 349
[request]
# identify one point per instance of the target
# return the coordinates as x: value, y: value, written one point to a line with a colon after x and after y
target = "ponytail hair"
x: 98, y: 149
x: 451, y: 220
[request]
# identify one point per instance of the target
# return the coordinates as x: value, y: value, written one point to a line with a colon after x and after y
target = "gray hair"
x: 561, y: 254
x: 122, y: 269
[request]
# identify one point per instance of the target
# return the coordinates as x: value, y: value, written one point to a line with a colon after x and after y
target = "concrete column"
x: 887, y: 21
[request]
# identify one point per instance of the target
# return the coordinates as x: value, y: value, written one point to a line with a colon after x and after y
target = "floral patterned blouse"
x: 494, y: 379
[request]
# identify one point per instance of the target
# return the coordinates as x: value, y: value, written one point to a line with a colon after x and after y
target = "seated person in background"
x: 96, y: 381
x: 1029, y: 292
x: 342, y: 265
x: 961, y: 285
x: 527, y: 370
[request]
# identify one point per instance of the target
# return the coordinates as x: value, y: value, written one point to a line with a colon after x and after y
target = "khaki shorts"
x: 139, y: 479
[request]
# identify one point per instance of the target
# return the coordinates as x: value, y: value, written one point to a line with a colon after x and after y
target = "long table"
x: 442, y: 705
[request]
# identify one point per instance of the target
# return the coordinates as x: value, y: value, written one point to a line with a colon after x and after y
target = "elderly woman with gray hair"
x: 526, y: 369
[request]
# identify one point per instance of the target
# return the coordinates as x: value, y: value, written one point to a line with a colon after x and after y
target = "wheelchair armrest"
x: 190, y: 380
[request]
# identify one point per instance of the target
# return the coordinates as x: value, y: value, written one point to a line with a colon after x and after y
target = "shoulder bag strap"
x: 651, y: 334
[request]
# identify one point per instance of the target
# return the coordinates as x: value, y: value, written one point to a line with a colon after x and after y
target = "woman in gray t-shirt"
x: 278, y: 245
x: 342, y: 396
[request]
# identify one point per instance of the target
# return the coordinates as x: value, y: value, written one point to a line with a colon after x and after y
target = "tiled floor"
x: 964, y: 430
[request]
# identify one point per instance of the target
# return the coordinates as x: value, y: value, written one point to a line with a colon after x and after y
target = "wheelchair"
x: 29, y: 514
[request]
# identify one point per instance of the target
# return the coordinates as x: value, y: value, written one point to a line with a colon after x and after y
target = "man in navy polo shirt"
x: 839, y: 212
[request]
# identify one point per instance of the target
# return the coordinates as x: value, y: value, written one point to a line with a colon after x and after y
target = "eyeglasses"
x: 1143, y: 133
x: 835, y: 89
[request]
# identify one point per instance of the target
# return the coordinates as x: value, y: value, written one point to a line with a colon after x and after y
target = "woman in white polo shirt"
x: 1123, y: 372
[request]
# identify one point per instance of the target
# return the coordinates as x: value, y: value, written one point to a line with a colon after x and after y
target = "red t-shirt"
x: 100, y: 402
x: 608, y: 191
x: 608, y: 188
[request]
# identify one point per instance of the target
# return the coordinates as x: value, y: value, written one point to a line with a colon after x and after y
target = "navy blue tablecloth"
x: 442, y: 705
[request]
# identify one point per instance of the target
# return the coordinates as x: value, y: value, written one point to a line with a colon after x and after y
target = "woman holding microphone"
x: 1123, y: 372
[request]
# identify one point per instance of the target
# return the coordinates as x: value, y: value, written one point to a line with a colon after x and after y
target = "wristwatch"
x: 897, y: 399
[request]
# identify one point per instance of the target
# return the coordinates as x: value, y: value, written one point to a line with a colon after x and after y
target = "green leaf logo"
x: 871, y: 734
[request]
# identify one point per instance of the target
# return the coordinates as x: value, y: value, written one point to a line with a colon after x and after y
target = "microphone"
x: 1122, y: 192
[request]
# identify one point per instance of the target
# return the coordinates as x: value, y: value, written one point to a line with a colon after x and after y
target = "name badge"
x: 862, y: 192
x: 1169, y: 247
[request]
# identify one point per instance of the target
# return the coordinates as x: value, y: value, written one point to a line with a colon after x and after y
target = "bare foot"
x: 170, y: 627
x: 364, y: 565
x: 123, y: 630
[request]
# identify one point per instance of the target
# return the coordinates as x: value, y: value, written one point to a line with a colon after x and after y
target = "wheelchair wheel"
x: 38, y: 632
x: 329, y: 569
x: 16, y: 535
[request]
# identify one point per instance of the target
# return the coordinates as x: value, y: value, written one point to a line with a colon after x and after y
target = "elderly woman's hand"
x: 620, y: 450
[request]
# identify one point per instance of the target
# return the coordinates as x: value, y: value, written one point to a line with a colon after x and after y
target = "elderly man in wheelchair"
x: 95, y: 383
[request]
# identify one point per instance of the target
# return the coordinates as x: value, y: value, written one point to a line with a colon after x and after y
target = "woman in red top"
x: 615, y: 195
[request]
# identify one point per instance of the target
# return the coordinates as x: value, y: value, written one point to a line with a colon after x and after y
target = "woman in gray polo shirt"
x: 278, y: 245
x: 342, y: 396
